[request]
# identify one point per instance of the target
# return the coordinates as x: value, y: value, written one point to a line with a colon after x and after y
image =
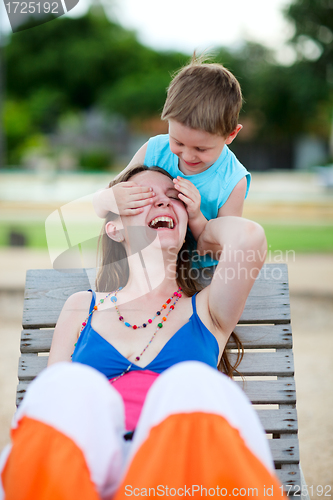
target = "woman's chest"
x: 140, y: 345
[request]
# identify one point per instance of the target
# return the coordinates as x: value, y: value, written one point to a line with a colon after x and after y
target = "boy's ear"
x: 114, y: 232
x: 233, y: 134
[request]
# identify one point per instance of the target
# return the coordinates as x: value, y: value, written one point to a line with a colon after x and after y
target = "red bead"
x: 84, y: 323
x: 175, y: 294
x: 150, y: 321
x: 137, y: 358
x: 172, y: 307
x: 134, y: 327
x: 120, y: 318
x: 168, y: 301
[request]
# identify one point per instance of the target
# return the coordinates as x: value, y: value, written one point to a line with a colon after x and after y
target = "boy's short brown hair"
x: 204, y: 96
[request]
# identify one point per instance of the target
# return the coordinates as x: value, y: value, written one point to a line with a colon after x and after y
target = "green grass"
x: 298, y: 238
x: 34, y: 233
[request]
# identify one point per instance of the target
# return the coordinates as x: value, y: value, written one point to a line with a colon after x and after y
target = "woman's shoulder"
x: 79, y: 301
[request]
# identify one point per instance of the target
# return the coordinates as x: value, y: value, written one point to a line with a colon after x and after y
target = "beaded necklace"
x: 149, y: 321
x: 176, y: 295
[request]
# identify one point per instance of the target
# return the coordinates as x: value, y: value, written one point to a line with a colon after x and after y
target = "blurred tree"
x: 313, y: 42
x: 68, y: 65
x: 71, y: 63
x: 137, y: 95
x: 313, y: 37
x: 281, y: 102
x: 96, y: 160
x: 18, y: 125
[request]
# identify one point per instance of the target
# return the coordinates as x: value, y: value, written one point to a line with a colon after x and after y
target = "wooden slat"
x: 252, y: 337
x: 259, y: 392
x: 291, y: 477
x: 271, y: 391
x: 266, y: 363
x: 263, y: 336
x: 35, y: 341
x: 268, y: 301
x: 284, y: 451
x: 48, y: 289
x: 279, y: 363
x: 30, y: 365
x: 279, y: 421
x: 20, y: 391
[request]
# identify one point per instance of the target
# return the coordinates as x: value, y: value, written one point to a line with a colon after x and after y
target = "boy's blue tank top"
x: 192, y: 342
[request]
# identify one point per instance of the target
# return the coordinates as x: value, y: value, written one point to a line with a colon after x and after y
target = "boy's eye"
x: 201, y: 150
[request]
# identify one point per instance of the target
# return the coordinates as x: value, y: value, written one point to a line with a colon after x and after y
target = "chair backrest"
x: 264, y: 328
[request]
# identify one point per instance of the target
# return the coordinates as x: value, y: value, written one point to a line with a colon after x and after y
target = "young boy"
x: 202, y: 108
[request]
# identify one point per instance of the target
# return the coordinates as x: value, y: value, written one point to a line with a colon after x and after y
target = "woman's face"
x: 166, y: 215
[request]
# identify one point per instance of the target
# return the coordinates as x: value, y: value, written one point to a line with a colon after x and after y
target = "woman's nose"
x: 162, y: 200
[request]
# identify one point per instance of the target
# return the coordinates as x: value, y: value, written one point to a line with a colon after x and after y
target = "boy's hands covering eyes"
x: 190, y: 195
x: 130, y: 198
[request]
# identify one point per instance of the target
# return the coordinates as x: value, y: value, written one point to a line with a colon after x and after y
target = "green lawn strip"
x: 33, y: 233
x: 298, y: 238
x: 306, y: 239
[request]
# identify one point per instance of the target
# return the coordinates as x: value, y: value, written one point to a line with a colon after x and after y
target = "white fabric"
x: 79, y: 401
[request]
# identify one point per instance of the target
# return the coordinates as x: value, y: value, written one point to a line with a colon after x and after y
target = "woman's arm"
x: 242, y: 246
x: 66, y: 333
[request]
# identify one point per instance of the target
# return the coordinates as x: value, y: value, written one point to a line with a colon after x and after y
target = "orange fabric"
x: 197, y: 449
x: 44, y: 464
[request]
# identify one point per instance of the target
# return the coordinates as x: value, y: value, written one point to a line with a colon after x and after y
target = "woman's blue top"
x: 192, y: 342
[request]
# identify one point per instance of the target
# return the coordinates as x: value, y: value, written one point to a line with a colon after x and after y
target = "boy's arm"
x: 190, y: 195
x: 235, y: 202
x: 107, y: 200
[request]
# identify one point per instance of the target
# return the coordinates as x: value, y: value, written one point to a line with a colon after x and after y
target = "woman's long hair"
x: 114, y: 270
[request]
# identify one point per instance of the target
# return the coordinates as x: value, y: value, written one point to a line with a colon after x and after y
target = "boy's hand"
x: 131, y: 198
x: 190, y: 195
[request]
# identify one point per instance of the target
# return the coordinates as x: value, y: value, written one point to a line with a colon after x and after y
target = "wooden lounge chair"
x: 264, y: 329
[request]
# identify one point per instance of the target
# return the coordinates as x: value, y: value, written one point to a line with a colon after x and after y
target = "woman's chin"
x: 168, y: 238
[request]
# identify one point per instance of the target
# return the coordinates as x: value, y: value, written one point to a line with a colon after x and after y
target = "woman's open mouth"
x: 162, y: 223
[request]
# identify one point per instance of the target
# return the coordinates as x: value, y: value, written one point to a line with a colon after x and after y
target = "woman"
x: 146, y: 331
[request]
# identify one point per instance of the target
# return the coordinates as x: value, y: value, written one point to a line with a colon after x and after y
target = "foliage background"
x: 59, y: 73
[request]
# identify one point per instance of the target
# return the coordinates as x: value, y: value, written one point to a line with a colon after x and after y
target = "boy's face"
x: 197, y: 150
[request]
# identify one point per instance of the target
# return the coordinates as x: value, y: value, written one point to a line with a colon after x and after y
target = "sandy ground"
x: 311, y: 286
